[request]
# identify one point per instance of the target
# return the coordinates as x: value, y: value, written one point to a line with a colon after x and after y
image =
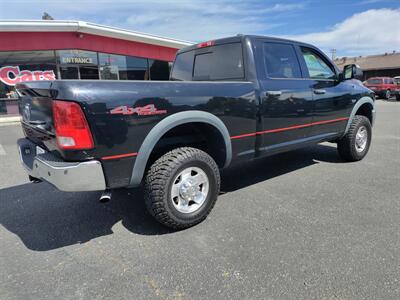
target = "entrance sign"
x: 77, y: 60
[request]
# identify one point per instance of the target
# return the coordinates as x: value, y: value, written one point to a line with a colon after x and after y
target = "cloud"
x: 369, y: 2
x: 201, y: 20
x: 192, y: 20
x: 370, y: 32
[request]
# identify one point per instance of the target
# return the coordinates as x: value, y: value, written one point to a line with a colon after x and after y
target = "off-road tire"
x: 158, y: 183
x: 346, y: 146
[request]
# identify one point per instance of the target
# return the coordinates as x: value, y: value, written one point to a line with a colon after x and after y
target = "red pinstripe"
x: 287, y: 128
x: 119, y: 156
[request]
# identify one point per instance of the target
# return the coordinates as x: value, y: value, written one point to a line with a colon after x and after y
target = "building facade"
x: 48, y: 50
x: 382, y: 65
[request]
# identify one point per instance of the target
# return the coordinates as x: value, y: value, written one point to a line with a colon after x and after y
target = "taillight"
x: 72, y: 129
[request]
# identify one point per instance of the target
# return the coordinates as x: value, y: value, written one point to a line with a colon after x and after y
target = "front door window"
x: 317, y: 67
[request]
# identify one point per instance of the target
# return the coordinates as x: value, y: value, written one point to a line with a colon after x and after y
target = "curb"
x: 10, y: 120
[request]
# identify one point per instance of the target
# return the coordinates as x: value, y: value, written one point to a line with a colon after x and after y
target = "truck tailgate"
x: 37, y: 115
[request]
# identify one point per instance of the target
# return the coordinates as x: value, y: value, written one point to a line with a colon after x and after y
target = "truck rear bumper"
x: 65, y: 176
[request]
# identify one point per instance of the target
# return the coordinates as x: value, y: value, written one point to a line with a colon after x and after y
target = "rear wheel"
x: 355, y: 144
x: 181, y: 187
x: 398, y: 97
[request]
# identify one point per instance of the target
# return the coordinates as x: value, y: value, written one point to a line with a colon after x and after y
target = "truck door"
x: 286, y: 97
x: 332, y: 98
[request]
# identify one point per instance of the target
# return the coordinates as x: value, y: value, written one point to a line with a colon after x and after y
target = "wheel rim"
x: 189, y: 190
x: 387, y: 94
x: 361, y: 139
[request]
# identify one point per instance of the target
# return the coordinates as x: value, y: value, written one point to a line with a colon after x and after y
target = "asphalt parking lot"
x: 300, y: 225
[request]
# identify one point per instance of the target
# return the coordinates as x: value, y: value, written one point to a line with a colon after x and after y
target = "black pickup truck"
x: 228, y: 101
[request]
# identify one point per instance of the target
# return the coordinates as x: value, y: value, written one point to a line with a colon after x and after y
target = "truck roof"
x: 239, y: 38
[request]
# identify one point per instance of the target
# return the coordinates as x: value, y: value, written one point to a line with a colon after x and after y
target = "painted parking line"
x: 2, y: 151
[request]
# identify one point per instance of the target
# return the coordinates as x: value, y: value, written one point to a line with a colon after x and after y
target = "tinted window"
x: 374, y: 81
x: 159, y: 70
x: 221, y: 62
x: 281, y: 61
x: 183, y: 65
x: 316, y: 65
x: 202, y: 66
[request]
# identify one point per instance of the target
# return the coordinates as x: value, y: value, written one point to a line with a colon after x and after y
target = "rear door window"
x: 281, y: 61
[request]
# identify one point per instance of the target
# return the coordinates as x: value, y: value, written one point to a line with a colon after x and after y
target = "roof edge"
x: 89, y: 28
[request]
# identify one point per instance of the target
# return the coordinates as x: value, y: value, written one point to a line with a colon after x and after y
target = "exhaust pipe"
x: 34, y: 179
x: 105, y: 196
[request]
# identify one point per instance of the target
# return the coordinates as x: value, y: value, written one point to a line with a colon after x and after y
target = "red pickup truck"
x: 384, y: 87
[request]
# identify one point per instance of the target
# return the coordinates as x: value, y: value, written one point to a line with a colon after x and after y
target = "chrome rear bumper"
x: 65, y: 176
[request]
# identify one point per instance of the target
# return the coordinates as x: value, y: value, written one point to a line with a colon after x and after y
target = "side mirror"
x: 352, y: 72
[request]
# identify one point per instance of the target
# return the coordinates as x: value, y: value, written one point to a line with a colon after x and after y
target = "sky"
x: 352, y: 27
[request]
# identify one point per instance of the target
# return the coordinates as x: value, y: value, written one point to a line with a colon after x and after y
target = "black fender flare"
x: 167, y: 124
x: 358, y: 104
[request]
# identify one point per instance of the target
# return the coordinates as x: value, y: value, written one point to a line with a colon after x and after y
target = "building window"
x: 77, y: 64
x: 123, y: 67
x: 110, y: 65
x: 20, y: 66
x: 76, y: 57
x: 159, y: 70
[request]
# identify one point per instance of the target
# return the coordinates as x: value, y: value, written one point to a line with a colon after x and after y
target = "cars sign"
x: 11, y: 75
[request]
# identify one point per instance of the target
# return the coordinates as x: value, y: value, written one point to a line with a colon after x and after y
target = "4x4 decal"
x: 147, y: 110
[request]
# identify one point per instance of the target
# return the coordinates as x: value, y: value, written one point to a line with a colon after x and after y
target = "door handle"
x: 273, y: 93
x: 319, y: 91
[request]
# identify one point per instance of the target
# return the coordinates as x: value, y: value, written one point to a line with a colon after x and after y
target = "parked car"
x: 384, y: 87
x: 229, y: 101
x: 397, y: 80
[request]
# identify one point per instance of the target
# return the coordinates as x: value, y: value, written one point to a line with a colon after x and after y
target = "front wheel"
x: 181, y: 187
x: 355, y: 144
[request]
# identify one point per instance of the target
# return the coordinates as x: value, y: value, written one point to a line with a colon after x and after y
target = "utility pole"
x: 333, y: 52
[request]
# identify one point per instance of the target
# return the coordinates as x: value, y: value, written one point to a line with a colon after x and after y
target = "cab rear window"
x: 221, y: 62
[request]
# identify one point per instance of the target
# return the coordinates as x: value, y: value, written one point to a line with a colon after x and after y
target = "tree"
x: 46, y: 16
